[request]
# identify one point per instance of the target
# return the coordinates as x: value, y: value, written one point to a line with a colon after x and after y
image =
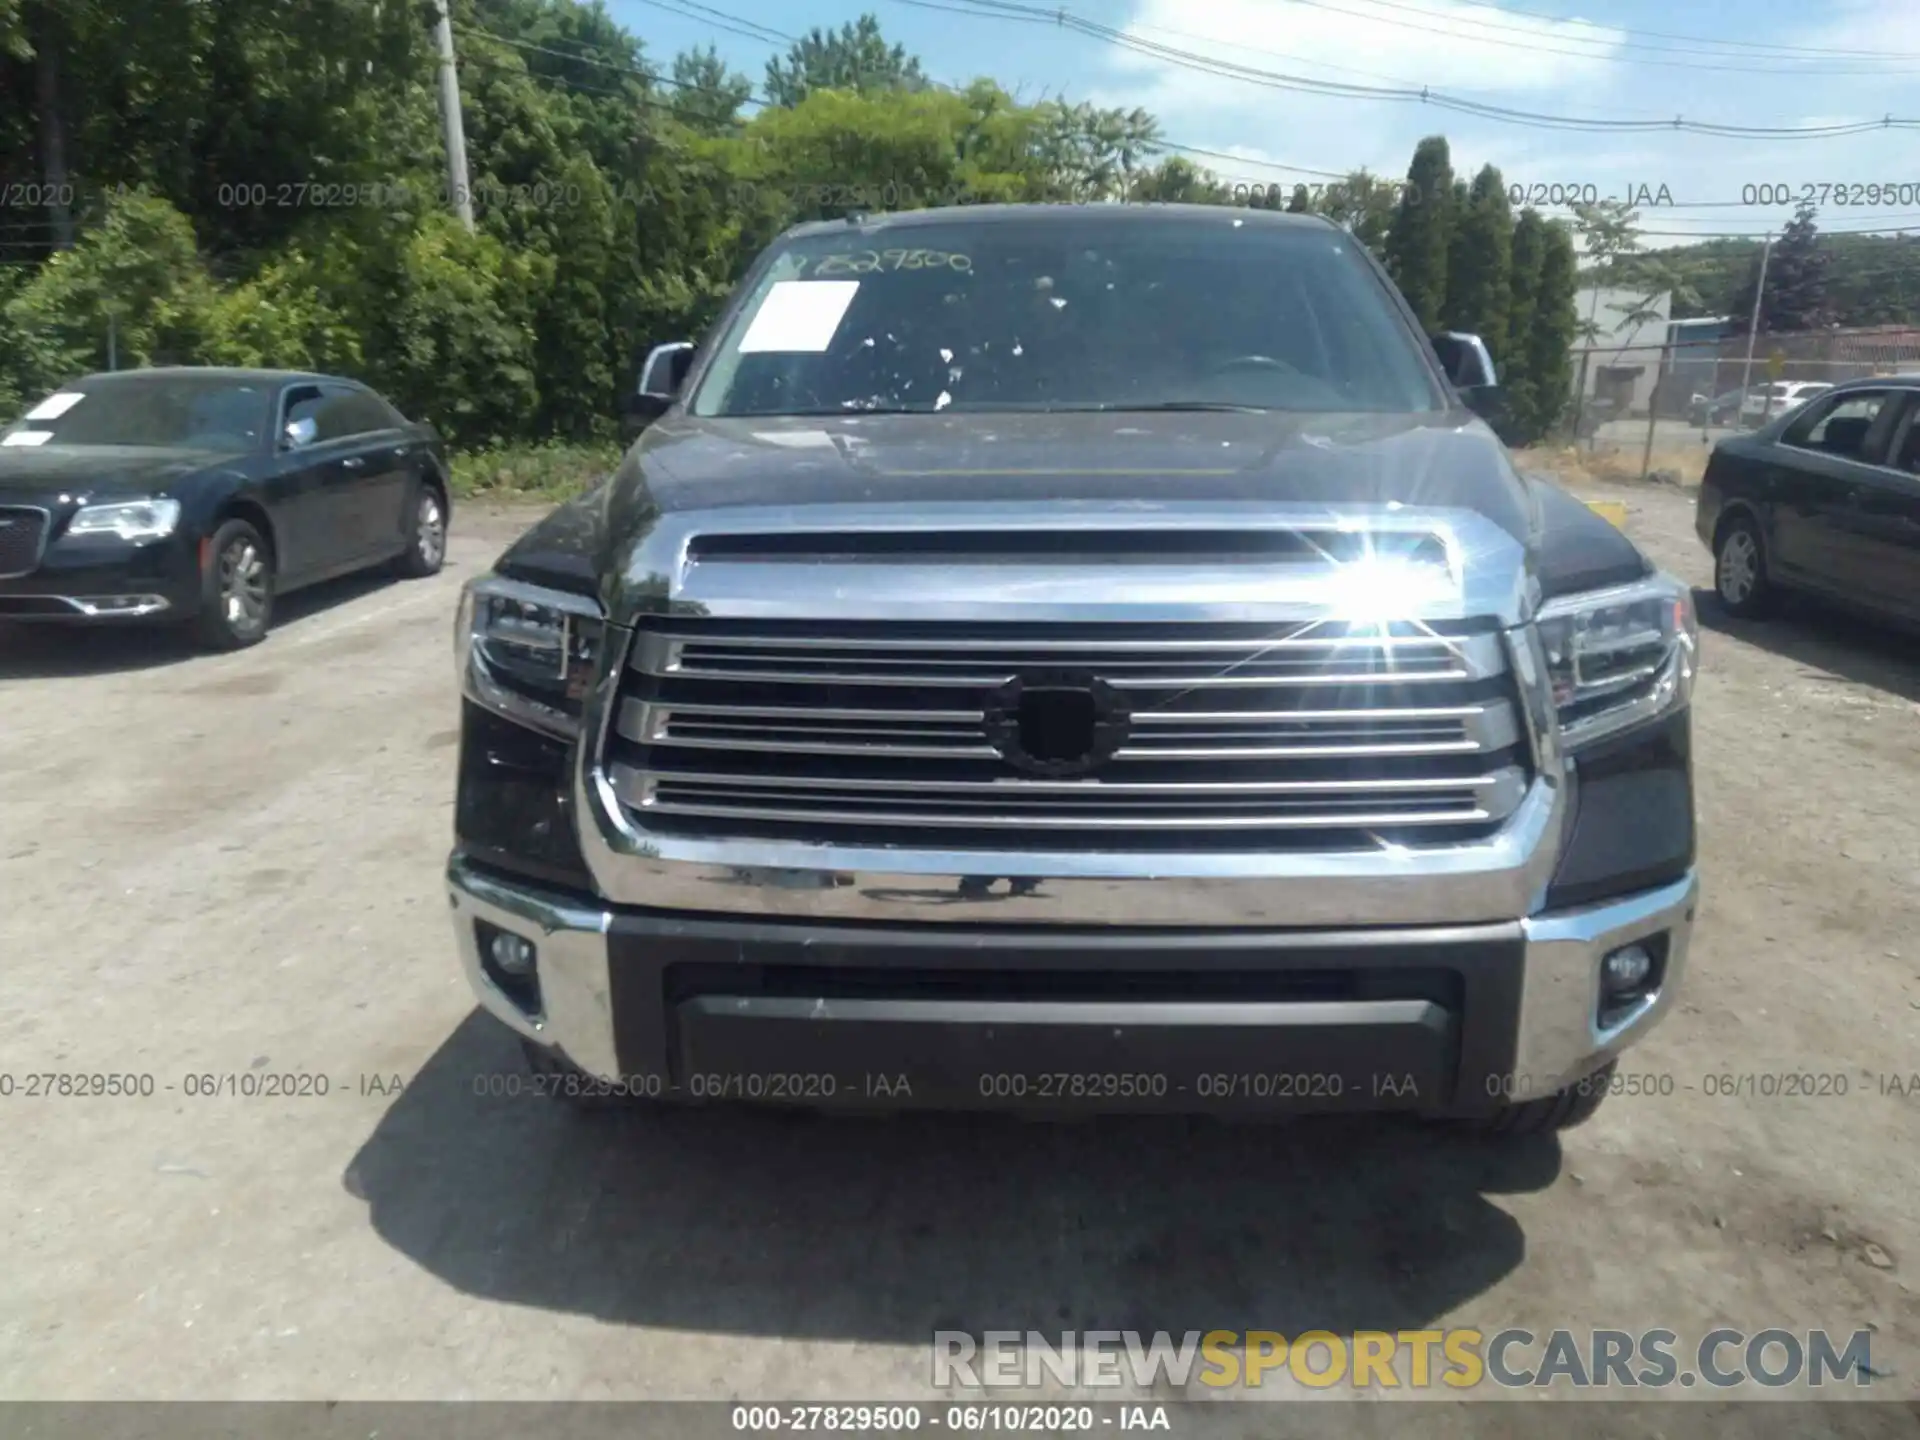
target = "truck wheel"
x: 563, y: 1081
x: 1740, y: 569
x: 1561, y: 1110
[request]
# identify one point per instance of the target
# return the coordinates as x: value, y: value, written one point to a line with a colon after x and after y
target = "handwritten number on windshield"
x: 870, y: 262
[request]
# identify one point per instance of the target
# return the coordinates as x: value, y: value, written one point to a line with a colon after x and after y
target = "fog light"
x: 512, y: 955
x: 1626, y: 969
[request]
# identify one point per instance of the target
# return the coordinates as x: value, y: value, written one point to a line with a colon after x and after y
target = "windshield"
x: 171, y: 412
x: 1094, y: 313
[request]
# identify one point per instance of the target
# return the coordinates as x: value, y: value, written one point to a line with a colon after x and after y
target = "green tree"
x: 575, y: 355
x: 856, y: 57
x: 1298, y: 203
x: 1796, y: 295
x: 708, y: 96
x: 137, y: 278
x: 1365, y: 204
x: 1528, y: 255
x: 1084, y: 153
x: 1479, y: 265
x: 1552, y: 331
x: 1177, y: 180
x: 1417, y: 242
x: 457, y: 343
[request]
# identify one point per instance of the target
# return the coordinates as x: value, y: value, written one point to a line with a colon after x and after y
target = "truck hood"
x: 1173, y: 458
x: 628, y: 540
x: 98, y: 471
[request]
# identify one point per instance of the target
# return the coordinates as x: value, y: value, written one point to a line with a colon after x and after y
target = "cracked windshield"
x: 929, y: 717
x: 1076, y: 315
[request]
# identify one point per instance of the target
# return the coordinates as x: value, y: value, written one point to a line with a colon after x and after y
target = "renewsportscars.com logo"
x: 1457, y: 1359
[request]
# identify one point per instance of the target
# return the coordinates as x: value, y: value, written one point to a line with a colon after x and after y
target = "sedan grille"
x: 1194, y: 735
x: 23, y: 539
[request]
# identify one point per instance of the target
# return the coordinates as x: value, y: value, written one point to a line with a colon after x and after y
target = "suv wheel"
x: 1740, y: 569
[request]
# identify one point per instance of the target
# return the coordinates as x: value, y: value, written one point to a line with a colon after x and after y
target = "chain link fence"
x: 1671, y: 401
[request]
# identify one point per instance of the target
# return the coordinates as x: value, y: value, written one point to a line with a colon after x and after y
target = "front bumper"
x: 1442, y: 1020
x: 105, y: 580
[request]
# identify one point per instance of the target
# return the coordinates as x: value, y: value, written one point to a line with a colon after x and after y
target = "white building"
x: 1622, y: 362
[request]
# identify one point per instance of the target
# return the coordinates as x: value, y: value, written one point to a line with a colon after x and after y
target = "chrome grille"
x: 1238, y: 735
x: 23, y: 539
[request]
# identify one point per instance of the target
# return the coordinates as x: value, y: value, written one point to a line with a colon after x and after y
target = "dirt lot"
x: 230, y: 866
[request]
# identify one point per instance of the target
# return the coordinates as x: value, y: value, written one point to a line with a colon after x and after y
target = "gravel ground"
x: 229, y: 866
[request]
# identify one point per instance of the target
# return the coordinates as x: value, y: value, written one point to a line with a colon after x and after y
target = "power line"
x: 767, y: 32
x: 1523, y: 13
x: 1424, y: 95
x: 1480, y: 26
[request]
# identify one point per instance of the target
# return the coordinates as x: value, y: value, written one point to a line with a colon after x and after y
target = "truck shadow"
x: 887, y: 1229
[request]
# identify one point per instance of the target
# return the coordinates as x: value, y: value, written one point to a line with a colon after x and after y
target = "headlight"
x: 129, y: 519
x: 528, y: 652
x: 1618, y: 657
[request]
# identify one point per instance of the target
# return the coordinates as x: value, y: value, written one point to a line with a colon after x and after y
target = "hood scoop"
x: 1063, y: 546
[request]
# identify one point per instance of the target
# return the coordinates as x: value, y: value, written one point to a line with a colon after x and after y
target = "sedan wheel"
x: 1740, y: 569
x: 431, y: 531
x: 236, y: 588
x: 426, y: 536
x: 243, y: 585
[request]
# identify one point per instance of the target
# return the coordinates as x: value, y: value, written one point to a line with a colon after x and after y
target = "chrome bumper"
x: 1557, y: 1040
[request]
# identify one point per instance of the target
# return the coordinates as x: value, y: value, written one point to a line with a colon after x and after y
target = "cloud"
x: 1479, y: 52
x: 1436, y: 45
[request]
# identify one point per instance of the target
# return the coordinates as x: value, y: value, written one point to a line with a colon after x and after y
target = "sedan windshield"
x: 1088, y: 313
x: 175, y: 412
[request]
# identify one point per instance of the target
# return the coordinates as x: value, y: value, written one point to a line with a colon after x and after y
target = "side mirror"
x: 1466, y: 361
x: 1470, y: 370
x: 666, y: 369
x: 660, y: 380
x: 301, y: 433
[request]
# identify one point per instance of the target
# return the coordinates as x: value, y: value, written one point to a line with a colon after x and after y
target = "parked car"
x: 1076, y: 656
x: 1780, y: 397
x: 1825, y: 500
x: 197, y: 495
x: 1722, y: 409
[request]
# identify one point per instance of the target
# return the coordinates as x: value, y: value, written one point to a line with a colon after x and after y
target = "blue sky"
x: 1738, y: 62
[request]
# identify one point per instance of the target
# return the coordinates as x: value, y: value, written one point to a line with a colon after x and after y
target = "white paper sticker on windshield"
x: 799, y: 316
x: 54, y: 406
x: 28, y: 437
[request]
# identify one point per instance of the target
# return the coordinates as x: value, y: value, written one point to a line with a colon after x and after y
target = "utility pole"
x: 1753, y: 328
x: 450, y: 125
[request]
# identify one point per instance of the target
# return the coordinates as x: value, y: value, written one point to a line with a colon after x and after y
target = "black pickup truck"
x: 1076, y: 657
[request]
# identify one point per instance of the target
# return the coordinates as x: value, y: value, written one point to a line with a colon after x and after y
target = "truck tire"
x: 566, y: 1083
x: 1561, y: 1110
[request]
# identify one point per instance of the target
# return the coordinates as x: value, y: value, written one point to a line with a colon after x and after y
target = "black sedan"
x: 1825, y: 499
x: 197, y: 495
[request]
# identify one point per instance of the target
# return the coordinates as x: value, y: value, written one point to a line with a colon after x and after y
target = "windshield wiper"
x: 837, y: 410
x: 1214, y: 406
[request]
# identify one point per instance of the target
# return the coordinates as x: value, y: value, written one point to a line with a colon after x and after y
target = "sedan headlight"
x: 127, y: 519
x: 1619, y: 657
x: 528, y: 652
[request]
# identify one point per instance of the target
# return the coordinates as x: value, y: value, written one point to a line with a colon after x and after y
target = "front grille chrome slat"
x: 867, y: 732
x: 1295, y: 658
x: 1158, y: 735
x: 23, y: 539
